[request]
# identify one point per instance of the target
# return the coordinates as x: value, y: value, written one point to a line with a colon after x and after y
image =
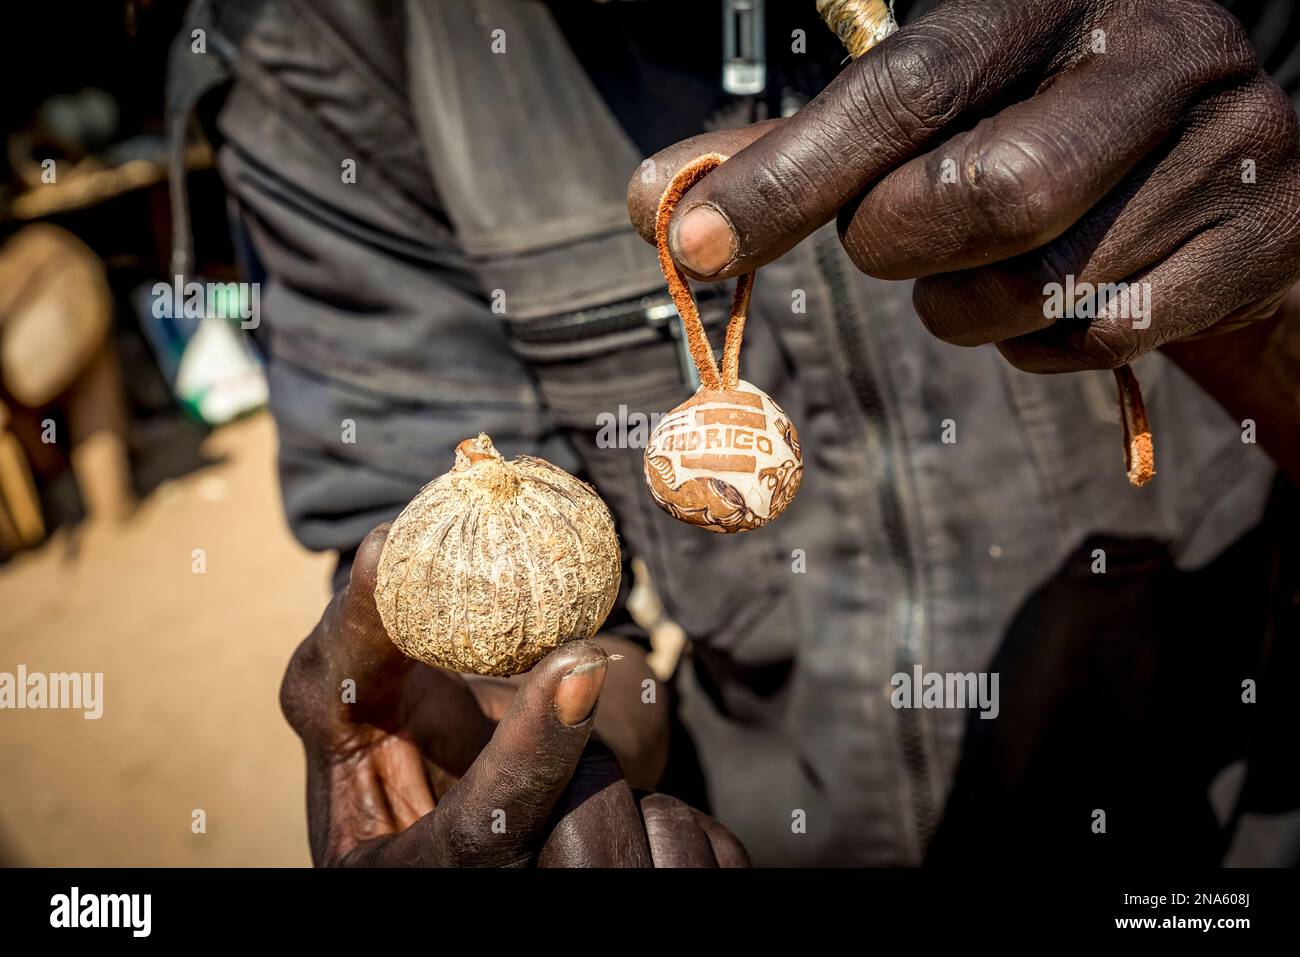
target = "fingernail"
x: 703, y: 240
x: 576, y: 696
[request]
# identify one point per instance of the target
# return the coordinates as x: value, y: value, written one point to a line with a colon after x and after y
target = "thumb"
x: 498, y: 812
x: 652, y: 177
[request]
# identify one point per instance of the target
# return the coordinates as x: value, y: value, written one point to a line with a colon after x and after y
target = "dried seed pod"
x: 727, y: 460
x: 495, y: 563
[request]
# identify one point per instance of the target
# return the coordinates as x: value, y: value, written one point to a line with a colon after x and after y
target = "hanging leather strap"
x: 678, y: 288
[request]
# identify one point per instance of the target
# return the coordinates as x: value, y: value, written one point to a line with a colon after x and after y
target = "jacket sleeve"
x: 382, y: 354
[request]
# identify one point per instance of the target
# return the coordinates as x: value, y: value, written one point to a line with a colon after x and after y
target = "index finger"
x: 885, y: 108
x: 647, y: 185
x: 349, y: 644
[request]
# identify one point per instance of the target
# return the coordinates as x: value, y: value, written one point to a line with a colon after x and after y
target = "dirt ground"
x: 191, y: 664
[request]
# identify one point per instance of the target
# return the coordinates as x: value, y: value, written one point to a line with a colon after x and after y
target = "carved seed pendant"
x: 728, y: 458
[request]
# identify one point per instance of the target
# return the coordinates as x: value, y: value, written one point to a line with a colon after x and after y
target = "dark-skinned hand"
x: 996, y: 146
x: 408, y: 765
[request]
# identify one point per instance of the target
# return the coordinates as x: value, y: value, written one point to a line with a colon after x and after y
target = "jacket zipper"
x: 598, y: 328
x: 910, y: 738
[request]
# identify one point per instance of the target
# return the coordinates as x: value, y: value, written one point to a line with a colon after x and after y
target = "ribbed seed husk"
x: 497, y: 562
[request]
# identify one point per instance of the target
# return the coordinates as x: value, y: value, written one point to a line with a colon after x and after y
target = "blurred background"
x: 136, y: 467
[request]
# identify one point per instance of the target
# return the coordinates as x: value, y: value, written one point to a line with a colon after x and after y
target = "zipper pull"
x: 667, y: 313
x: 744, y: 55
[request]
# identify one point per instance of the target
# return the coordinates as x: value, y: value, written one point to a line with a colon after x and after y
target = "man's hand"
x: 406, y: 764
x: 996, y: 147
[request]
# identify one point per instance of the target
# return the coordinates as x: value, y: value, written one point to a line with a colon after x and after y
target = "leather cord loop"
x: 701, y: 352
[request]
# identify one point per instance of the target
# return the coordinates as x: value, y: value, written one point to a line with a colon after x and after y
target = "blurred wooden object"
x: 56, y: 310
x: 98, y: 421
x: 89, y: 182
x: 21, y: 524
x: 667, y: 639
